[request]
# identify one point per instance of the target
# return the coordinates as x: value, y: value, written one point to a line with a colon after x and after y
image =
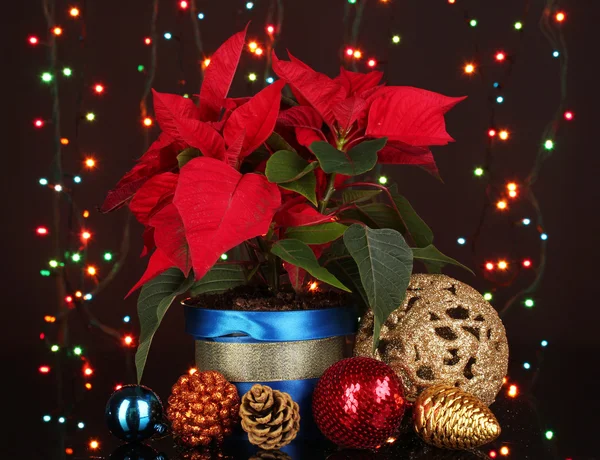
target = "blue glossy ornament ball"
x: 134, y: 413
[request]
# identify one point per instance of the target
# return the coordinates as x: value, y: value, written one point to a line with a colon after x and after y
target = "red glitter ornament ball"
x: 359, y: 403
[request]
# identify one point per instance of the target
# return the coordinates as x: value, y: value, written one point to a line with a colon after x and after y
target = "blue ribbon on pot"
x: 292, y: 347
x: 271, y: 326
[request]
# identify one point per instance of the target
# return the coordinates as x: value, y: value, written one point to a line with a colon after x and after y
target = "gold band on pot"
x: 270, y: 361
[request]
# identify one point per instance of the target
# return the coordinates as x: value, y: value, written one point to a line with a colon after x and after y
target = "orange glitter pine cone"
x: 203, y: 408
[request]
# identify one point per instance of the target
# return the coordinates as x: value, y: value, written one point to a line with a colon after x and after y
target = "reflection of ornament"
x: 270, y: 455
x: 202, y: 454
x: 444, y: 332
x: 134, y: 413
x: 349, y: 454
x: 270, y: 417
x: 359, y: 403
x: 449, y: 417
x: 203, y: 407
x: 136, y: 451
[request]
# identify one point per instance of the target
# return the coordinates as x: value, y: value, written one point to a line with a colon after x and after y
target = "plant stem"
x: 274, y: 273
x: 328, y: 193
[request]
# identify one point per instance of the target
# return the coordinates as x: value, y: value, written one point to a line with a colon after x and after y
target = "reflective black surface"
x: 521, y: 439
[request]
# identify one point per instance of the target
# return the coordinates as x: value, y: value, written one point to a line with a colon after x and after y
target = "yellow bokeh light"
x: 469, y: 68
x: 503, y: 134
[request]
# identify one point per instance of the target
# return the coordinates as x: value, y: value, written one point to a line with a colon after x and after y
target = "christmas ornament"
x: 136, y: 451
x: 270, y: 417
x: 203, y: 408
x: 449, y: 417
x: 444, y: 332
x: 134, y: 413
x: 359, y: 403
x: 270, y: 455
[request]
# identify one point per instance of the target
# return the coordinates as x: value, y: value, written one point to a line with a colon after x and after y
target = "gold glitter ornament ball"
x: 203, y: 408
x: 444, y: 332
x: 448, y: 417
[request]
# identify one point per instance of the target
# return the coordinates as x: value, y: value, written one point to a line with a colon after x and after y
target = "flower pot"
x: 286, y: 350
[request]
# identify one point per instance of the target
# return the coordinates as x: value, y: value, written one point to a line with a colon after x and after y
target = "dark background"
x: 436, y: 43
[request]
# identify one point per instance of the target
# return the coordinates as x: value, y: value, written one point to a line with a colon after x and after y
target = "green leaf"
x: 286, y: 166
x: 344, y: 267
x: 434, y: 258
x: 385, y: 264
x: 358, y: 196
x: 317, y: 234
x: 416, y: 227
x: 305, y: 186
x: 154, y: 301
x: 186, y: 155
x: 375, y: 215
x: 357, y: 160
x: 277, y: 142
x: 220, y: 278
x: 299, y: 254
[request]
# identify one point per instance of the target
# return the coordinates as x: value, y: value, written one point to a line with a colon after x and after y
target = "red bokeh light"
x: 500, y: 56
x: 38, y: 123
x: 33, y: 40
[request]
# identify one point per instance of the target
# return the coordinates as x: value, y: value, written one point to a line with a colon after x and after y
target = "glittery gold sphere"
x: 203, y: 408
x: 444, y: 332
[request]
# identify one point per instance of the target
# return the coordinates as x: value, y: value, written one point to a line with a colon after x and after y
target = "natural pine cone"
x: 270, y: 455
x: 449, y: 417
x: 203, y: 408
x: 270, y: 417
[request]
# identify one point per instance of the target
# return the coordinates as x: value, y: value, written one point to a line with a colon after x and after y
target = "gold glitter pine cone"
x: 270, y: 417
x: 270, y: 455
x: 203, y: 408
x: 448, y: 417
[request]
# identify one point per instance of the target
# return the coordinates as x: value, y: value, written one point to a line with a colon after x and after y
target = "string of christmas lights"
x: 77, y: 279
x: 500, y: 192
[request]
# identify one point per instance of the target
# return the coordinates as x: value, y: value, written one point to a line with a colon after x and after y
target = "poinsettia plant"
x: 276, y: 182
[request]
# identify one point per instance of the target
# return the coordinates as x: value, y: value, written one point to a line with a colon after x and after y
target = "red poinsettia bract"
x: 188, y: 189
x: 355, y: 107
